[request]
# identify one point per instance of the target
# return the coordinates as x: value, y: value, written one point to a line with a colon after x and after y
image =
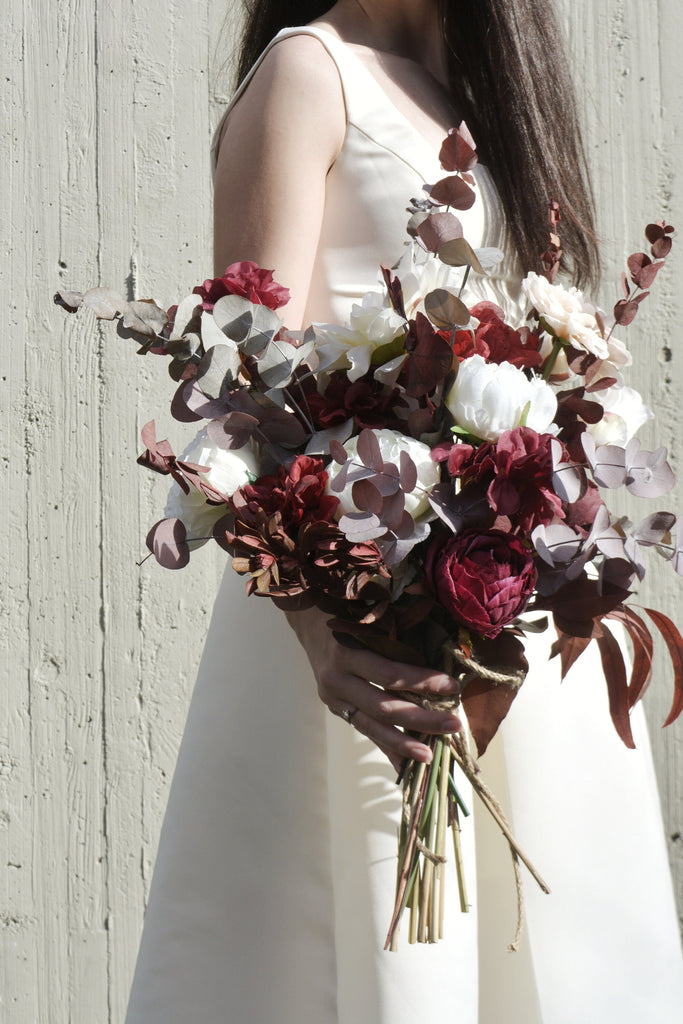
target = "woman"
x: 275, y: 873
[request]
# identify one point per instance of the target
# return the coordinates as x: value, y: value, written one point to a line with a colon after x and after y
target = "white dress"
x: 274, y: 880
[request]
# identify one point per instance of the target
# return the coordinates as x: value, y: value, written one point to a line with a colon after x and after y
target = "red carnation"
x: 297, y: 492
x: 499, y: 343
x: 483, y: 580
x: 246, y: 279
x: 518, y: 469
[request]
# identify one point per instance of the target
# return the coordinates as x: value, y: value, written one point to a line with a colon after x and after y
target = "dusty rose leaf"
x: 167, y: 542
x: 369, y: 451
x: 366, y: 497
x: 459, y: 253
x: 661, y: 248
x: 361, y: 526
x: 439, y: 228
x: 642, y: 270
x: 408, y: 473
x: 452, y: 191
x: 625, y: 312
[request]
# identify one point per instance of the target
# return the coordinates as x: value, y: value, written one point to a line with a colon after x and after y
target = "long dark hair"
x: 509, y: 77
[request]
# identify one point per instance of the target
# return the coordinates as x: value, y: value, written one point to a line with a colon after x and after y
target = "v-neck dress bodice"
x: 275, y: 874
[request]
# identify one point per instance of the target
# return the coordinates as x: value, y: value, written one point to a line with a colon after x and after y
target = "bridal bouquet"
x: 427, y: 474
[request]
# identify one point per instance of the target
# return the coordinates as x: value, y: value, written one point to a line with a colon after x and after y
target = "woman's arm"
x: 279, y: 142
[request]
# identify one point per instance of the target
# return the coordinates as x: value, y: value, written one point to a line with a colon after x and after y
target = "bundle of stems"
x: 431, y: 806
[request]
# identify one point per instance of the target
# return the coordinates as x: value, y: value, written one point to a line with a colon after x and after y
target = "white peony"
x: 228, y: 470
x: 372, y: 324
x: 488, y: 398
x: 391, y: 444
x: 421, y: 273
x: 568, y: 313
x: 625, y: 414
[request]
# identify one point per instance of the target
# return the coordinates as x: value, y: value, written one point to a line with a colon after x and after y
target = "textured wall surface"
x: 105, y: 118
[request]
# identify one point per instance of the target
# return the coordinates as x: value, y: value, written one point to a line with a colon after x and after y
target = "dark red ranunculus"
x: 246, y: 279
x: 297, y: 492
x: 518, y: 468
x: 499, y: 343
x: 366, y: 400
x: 483, y: 580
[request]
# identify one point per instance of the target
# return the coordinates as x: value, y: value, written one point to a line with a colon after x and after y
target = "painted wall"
x: 106, y: 112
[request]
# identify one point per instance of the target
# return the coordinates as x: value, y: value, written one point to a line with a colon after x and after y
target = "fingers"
x: 382, y: 717
x: 393, y: 675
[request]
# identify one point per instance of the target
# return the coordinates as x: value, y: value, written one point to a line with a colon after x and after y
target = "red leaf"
x: 642, y: 270
x: 570, y: 648
x: 458, y: 150
x: 661, y: 248
x: 452, y: 191
x: 617, y: 687
x: 643, y: 649
x: 486, y: 704
x: 674, y: 643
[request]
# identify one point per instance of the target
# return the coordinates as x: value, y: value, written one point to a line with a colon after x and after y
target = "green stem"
x: 552, y: 358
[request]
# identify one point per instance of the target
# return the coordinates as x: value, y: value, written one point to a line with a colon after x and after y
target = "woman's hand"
x: 361, y: 682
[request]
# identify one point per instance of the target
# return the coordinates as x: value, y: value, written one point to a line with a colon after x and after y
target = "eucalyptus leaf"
x: 144, y: 316
x: 459, y: 253
x: 104, y: 302
x: 218, y: 366
x: 446, y: 310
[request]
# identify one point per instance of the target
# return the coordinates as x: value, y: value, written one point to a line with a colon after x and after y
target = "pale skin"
x: 277, y: 147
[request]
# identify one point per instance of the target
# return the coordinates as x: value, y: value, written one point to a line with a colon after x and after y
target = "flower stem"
x: 552, y: 358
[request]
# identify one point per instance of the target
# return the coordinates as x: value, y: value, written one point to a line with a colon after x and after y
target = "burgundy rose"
x: 366, y: 400
x: 483, y: 580
x: 499, y: 343
x: 246, y: 279
x: 297, y: 492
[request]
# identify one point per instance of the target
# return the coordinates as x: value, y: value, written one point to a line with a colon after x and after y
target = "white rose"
x: 228, y: 470
x: 625, y: 414
x: 391, y: 444
x: 372, y: 324
x: 420, y: 274
x: 488, y: 398
x: 568, y: 313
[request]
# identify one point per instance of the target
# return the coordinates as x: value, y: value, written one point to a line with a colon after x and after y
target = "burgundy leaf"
x: 369, y: 451
x: 166, y: 540
x: 458, y: 150
x: 232, y: 431
x: 366, y: 497
x: 617, y: 686
x: 338, y: 452
x: 570, y: 648
x: 625, y: 312
x: 674, y: 643
x: 452, y: 191
x: 393, y: 513
x: 643, y: 649
x: 661, y: 248
x: 408, y: 472
x: 429, y: 357
x: 439, y: 228
x: 642, y: 270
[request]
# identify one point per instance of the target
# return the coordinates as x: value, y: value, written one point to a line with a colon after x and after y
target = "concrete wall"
x: 106, y: 113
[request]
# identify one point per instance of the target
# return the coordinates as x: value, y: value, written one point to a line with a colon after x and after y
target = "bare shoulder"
x: 297, y: 84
